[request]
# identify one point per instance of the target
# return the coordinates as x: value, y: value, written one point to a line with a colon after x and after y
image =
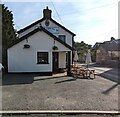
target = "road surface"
x: 105, y: 72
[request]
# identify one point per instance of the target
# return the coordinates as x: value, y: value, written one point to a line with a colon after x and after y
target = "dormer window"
x: 62, y: 37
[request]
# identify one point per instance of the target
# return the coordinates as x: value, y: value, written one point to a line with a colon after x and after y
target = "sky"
x: 91, y: 20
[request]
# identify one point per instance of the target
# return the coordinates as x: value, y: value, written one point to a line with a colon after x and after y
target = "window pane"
x: 62, y: 37
x: 42, y: 57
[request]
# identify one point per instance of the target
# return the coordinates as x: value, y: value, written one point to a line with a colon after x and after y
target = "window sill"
x: 42, y: 63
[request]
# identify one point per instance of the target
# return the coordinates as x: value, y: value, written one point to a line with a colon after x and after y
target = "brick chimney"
x: 47, y: 13
x: 112, y: 38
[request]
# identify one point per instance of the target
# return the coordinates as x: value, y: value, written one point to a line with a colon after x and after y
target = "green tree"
x: 82, y: 49
x: 8, y: 33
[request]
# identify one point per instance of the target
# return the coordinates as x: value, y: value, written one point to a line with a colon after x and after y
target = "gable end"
x: 41, y: 29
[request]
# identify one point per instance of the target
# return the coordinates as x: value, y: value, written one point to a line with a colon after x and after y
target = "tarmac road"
x: 109, y: 73
x: 33, y: 92
x: 58, y: 93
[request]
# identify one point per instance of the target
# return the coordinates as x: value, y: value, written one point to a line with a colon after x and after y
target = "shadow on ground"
x: 112, y: 75
x: 69, y: 80
x: 48, y: 78
x: 16, y: 79
x: 110, y: 89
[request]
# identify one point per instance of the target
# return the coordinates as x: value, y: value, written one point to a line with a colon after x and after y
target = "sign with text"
x: 53, y: 30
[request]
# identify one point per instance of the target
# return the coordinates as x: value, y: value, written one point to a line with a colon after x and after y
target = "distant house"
x: 108, y: 52
x: 44, y: 46
x: 95, y: 47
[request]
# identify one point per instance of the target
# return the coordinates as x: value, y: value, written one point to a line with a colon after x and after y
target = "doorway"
x: 55, y: 62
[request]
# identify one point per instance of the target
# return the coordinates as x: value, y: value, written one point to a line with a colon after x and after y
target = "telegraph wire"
x: 56, y: 11
x: 105, y: 5
x: 89, y: 9
x: 16, y: 25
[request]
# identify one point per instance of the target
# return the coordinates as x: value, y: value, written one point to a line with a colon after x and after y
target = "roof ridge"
x: 30, y: 25
x: 46, y: 31
x: 40, y: 20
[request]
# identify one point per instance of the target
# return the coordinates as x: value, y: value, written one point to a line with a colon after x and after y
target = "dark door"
x: 55, y: 62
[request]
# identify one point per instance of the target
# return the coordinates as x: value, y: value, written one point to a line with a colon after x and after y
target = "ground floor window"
x: 42, y: 57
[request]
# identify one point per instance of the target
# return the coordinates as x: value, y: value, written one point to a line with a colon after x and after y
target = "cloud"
x: 89, y: 19
x: 98, y: 22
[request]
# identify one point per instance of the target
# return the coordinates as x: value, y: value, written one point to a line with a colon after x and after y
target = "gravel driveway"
x: 59, y: 92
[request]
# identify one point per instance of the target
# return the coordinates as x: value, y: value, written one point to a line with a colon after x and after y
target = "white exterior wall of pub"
x: 25, y: 60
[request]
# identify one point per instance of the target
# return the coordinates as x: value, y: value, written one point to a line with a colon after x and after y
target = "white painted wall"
x: 25, y: 60
x: 61, y: 32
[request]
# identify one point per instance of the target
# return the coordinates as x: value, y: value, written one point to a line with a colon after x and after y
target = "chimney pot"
x: 47, y: 13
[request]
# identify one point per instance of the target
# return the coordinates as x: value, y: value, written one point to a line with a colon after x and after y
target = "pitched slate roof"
x: 97, y: 44
x: 44, y: 30
x: 31, y: 25
x: 112, y: 45
x: 39, y: 21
